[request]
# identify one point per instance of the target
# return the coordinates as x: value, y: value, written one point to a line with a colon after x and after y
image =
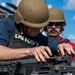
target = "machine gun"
x: 57, y: 65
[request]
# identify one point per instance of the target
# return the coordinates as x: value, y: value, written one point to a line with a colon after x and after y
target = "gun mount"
x: 57, y: 65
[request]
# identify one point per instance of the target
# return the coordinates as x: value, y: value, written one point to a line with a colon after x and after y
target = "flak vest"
x: 19, y: 41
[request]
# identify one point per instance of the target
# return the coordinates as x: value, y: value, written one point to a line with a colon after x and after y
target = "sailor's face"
x: 33, y: 31
x: 53, y: 29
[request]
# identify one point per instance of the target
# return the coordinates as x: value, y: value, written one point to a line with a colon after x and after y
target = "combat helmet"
x: 56, y: 15
x: 32, y: 13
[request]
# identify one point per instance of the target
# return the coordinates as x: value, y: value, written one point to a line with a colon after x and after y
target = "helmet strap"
x: 21, y: 29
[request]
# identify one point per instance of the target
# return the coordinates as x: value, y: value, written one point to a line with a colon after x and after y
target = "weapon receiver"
x: 57, y: 65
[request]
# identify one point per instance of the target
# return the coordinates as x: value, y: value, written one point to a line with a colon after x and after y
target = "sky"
x: 68, y: 7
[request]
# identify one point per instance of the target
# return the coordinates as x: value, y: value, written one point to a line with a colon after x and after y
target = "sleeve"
x: 5, y: 31
x: 53, y: 45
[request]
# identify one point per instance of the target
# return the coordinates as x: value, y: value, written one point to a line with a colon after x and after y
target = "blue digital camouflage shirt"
x: 6, y: 29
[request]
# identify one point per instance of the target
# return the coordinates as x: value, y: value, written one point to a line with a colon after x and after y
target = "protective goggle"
x: 56, y: 24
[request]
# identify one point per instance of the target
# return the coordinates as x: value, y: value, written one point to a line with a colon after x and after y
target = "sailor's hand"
x: 65, y: 47
x: 41, y: 53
